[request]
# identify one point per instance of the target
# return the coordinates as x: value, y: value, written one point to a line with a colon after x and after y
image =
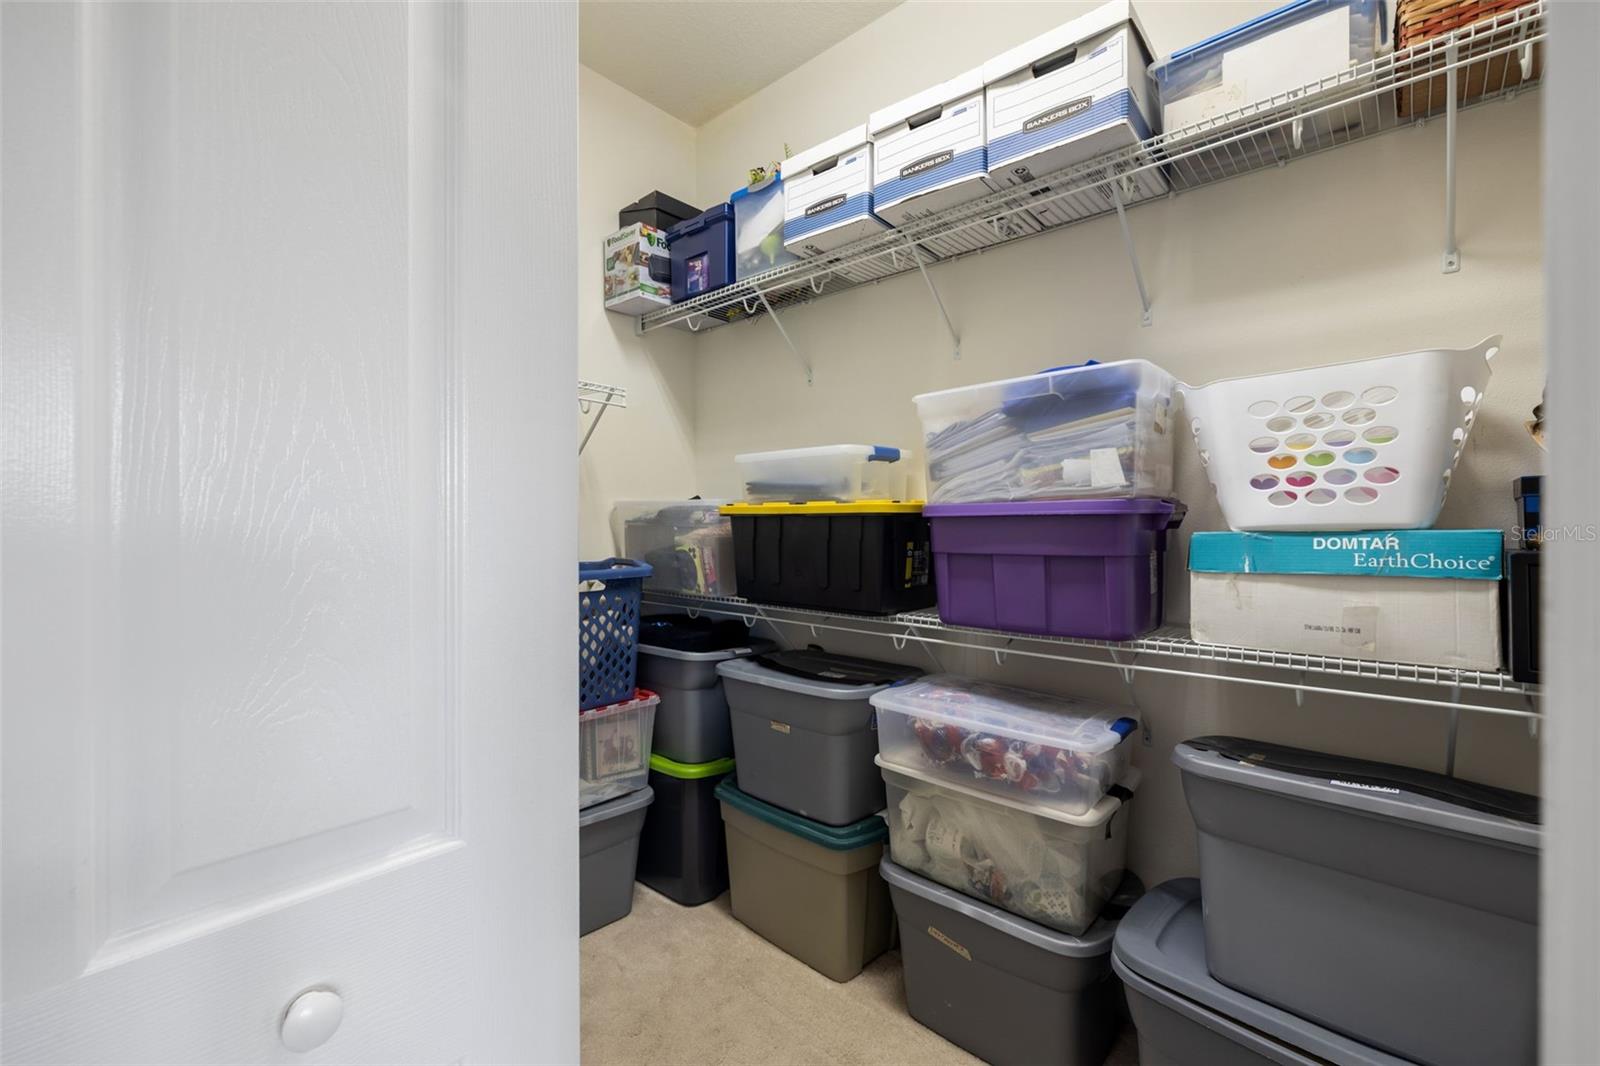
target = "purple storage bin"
x: 1061, y: 568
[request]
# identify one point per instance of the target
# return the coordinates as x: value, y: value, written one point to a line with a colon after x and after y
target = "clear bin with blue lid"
x: 1292, y: 48
x: 1051, y: 751
x: 702, y: 253
x: 841, y: 472
x: 758, y: 229
x: 1095, y: 430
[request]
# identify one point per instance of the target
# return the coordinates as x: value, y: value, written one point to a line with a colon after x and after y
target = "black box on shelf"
x: 1522, y: 613
x: 656, y: 209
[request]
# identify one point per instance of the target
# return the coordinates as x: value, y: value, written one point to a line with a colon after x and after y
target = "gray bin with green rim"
x: 811, y: 889
x: 805, y: 733
x: 608, y: 850
x: 678, y: 662
x: 1396, y: 906
x: 681, y: 850
x: 1186, y: 1017
x: 1004, y: 988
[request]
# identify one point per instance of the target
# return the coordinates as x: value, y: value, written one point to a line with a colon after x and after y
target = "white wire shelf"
x: 1489, y: 60
x: 596, y: 397
x: 1171, y: 642
x: 592, y: 392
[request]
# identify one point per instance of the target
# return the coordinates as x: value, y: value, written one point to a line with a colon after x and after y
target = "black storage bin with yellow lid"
x: 871, y: 556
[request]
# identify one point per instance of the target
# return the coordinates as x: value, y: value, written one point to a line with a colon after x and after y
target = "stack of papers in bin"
x: 997, y: 457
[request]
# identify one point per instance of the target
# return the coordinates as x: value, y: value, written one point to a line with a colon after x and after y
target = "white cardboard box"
x: 929, y: 155
x: 1398, y: 619
x: 1078, y: 92
x: 827, y: 194
x: 1417, y: 596
x: 630, y: 290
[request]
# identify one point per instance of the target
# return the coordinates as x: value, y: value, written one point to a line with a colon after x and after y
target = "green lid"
x: 690, y: 771
x: 870, y: 830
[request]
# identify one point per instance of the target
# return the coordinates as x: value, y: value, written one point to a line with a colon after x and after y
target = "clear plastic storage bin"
x: 1052, y: 751
x: 758, y: 229
x: 1281, y: 52
x: 842, y: 472
x: 1097, y: 430
x: 1052, y: 868
x: 614, y: 748
x: 686, y: 542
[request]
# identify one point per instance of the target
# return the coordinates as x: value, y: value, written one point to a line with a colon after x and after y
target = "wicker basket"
x: 1423, y: 20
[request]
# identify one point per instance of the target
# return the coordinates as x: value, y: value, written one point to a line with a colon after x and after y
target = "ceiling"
x: 733, y: 48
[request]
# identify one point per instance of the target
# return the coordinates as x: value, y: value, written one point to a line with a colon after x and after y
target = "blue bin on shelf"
x: 608, y: 630
x: 702, y: 253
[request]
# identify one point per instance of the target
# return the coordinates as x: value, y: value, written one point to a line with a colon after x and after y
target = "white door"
x: 288, y: 531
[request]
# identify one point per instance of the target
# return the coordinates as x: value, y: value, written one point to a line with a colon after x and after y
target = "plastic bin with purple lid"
x: 1051, y: 751
x: 1093, y: 430
x: 1067, y: 568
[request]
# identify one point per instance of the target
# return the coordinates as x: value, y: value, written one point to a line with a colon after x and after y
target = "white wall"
x: 626, y: 148
x: 1332, y: 258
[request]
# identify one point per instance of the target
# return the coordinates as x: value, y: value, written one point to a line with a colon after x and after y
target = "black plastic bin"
x: 1521, y: 613
x: 682, y: 852
x: 872, y: 556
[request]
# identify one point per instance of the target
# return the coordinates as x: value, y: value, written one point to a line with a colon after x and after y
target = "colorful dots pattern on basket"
x: 1356, y: 445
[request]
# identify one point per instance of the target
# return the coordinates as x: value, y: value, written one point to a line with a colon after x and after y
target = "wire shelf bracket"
x: 955, y: 338
x: 1145, y: 317
x: 1450, y: 262
x: 593, y: 396
x: 804, y: 365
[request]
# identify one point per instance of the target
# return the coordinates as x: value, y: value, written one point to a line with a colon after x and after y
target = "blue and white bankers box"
x: 1067, y: 96
x: 827, y: 194
x: 929, y: 155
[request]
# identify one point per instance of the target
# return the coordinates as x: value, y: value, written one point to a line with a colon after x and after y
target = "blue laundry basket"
x: 608, y: 630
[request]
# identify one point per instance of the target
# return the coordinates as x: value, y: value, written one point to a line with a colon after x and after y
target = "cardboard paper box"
x: 630, y: 289
x: 1417, y: 596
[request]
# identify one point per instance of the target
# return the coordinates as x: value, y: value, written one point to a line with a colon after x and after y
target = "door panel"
x: 273, y: 490
x: 246, y: 751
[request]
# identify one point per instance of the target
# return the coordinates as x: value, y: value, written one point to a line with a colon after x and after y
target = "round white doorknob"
x: 312, y: 1018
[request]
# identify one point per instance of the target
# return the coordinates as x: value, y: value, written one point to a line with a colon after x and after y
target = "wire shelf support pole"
x: 955, y: 338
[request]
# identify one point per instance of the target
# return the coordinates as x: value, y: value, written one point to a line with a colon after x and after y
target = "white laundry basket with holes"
x: 1363, y: 445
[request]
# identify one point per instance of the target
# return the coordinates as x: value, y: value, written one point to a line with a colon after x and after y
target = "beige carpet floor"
x: 671, y: 985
